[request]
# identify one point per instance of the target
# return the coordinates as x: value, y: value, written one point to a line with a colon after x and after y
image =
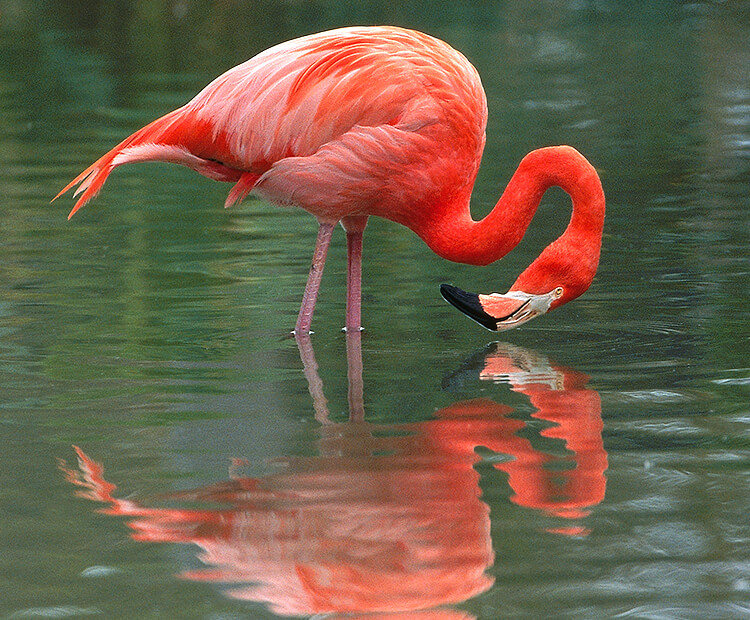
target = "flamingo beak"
x: 498, y: 312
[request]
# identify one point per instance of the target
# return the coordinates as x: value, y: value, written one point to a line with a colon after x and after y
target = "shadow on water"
x: 383, y: 518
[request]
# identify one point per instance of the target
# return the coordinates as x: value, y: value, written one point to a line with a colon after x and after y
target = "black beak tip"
x: 468, y: 303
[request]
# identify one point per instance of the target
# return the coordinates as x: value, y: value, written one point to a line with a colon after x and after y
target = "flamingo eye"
x: 558, y: 292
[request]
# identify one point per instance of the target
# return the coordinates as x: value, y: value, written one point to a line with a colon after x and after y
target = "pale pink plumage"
x: 346, y: 124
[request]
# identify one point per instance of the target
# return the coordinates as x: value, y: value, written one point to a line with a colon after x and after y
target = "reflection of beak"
x: 499, y: 312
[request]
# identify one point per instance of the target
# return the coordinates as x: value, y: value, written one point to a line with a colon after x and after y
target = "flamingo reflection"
x: 384, y: 518
x: 566, y: 485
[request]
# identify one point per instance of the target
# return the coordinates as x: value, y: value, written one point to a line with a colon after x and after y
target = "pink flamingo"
x: 376, y: 121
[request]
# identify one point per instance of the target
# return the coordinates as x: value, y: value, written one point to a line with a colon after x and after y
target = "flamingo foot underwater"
x: 379, y: 121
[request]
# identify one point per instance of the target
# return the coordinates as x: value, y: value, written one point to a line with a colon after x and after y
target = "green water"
x: 594, y: 463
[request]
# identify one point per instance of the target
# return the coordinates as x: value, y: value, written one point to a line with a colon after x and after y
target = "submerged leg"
x: 304, y: 319
x: 354, y: 226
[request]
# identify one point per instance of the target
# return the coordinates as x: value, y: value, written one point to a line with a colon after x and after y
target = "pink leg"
x: 354, y: 226
x: 304, y: 319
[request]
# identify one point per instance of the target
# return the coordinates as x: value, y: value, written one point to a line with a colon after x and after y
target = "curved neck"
x: 453, y: 234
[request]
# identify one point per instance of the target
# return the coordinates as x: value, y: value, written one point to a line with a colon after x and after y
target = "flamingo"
x: 380, y: 121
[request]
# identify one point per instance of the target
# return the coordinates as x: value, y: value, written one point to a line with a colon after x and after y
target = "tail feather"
x: 91, y: 181
x: 243, y: 187
x: 156, y: 135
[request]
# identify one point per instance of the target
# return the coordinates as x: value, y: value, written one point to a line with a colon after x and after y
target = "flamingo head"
x: 500, y: 312
x: 558, y: 275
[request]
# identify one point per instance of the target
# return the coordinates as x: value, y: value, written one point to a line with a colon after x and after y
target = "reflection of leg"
x: 314, y: 384
x: 354, y: 367
x: 304, y: 319
x: 354, y: 226
x: 354, y: 373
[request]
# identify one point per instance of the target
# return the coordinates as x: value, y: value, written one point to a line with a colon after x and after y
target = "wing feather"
x: 294, y: 98
x: 351, y: 105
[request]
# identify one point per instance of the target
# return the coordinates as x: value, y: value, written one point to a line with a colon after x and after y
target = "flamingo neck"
x: 454, y: 235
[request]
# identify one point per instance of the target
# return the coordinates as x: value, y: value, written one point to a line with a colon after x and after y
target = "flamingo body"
x: 357, y: 122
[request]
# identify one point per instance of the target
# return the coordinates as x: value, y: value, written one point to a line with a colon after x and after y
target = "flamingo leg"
x: 304, y: 319
x: 354, y: 226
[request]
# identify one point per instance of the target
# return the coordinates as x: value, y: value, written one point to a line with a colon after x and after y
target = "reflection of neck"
x: 560, y: 396
x: 576, y: 412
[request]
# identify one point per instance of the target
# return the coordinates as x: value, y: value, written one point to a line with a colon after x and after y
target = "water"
x: 592, y: 464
